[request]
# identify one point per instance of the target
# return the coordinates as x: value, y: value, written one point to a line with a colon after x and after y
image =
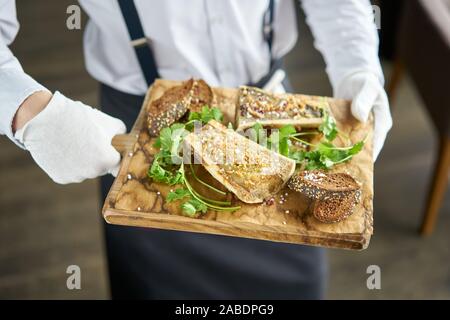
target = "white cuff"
x: 15, y: 87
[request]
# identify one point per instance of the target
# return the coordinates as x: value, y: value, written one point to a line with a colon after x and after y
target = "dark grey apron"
x: 157, y: 264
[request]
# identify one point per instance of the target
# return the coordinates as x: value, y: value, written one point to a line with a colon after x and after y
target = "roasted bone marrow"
x: 252, y: 172
x: 256, y: 105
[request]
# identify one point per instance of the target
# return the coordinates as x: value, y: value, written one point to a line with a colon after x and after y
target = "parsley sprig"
x: 322, y: 155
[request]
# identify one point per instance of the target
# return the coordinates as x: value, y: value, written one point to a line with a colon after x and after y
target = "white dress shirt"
x: 220, y: 41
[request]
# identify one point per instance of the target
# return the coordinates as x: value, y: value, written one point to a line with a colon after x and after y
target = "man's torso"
x: 219, y: 41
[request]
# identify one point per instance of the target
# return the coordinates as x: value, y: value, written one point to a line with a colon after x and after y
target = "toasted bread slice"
x: 201, y: 94
x: 335, y: 194
x: 276, y: 110
x: 335, y: 209
x: 317, y: 184
x: 175, y: 102
x: 252, y: 172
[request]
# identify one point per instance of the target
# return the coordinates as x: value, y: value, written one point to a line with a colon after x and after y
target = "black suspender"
x: 145, y: 54
x: 268, y: 28
x: 139, y: 41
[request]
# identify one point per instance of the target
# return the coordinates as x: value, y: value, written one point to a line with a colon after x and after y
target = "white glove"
x: 367, y: 93
x: 275, y: 83
x: 71, y: 141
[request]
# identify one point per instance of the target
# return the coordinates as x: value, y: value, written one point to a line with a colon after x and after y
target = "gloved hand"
x: 275, y: 83
x: 71, y: 141
x: 368, y: 94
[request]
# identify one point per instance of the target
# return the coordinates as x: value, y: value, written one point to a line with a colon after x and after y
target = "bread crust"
x: 335, y: 194
x: 175, y: 102
x: 317, y: 184
x: 335, y: 209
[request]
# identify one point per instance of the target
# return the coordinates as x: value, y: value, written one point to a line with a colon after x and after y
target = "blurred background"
x: 45, y: 227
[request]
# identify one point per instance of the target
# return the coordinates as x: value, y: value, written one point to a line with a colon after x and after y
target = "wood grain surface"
x: 135, y: 200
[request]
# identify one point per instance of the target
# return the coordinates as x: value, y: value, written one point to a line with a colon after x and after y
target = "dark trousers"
x: 159, y: 264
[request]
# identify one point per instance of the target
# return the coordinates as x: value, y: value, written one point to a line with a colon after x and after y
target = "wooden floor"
x: 46, y: 227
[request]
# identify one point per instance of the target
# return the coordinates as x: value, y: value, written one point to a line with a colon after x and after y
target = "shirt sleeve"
x: 15, y: 84
x: 345, y: 33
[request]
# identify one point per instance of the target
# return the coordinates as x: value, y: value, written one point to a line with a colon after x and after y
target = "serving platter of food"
x: 247, y: 163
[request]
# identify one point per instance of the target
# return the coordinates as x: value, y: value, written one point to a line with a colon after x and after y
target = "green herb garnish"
x: 328, y: 127
x: 177, y: 194
x: 193, y: 206
x: 206, y: 114
x: 168, y: 166
x: 323, y: 155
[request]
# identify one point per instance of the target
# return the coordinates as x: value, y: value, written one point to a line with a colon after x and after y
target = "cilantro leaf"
x: 298, y: 156
x: 283, y: 139
x: 194, y: 116
x: 178, y: 194
x: 287, y: 130
x: 178, y: 177
x: 193, y: 206
x: 285, y: 143
x: 328, y: 127
x: 178, y: 134
x: 176, y: 126
x: 157, y: 143
x: 157, y: 172
x: 206, y: 114
x: 314, y: 160
x: 331, y: 155
x: 217, y: 114
x: 165, y: 138
x: 189, y: 209
x: 357, y: 147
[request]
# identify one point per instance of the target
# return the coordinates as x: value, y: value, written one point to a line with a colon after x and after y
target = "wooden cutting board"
x: 134, y: 200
